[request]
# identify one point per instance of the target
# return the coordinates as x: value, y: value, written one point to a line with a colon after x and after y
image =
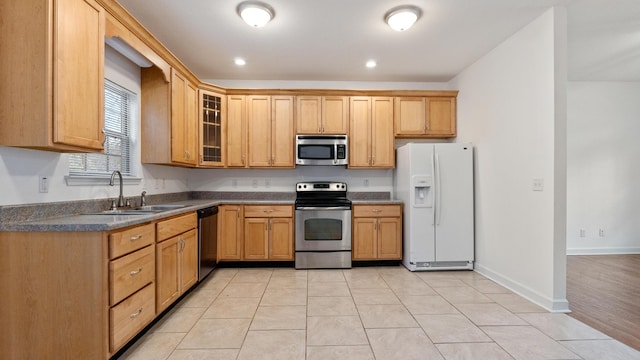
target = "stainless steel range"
x: 323, y: 226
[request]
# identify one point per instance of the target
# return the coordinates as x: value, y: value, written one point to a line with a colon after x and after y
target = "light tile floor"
x: 365, y: 313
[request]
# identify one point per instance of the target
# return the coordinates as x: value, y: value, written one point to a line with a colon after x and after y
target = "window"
x: 117, y: 146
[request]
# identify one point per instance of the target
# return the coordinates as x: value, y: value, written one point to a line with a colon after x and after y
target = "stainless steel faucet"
x: 121, y: 202
x: 143, y: 198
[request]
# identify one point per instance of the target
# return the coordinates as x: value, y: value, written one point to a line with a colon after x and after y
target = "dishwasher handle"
x: 206, y: 212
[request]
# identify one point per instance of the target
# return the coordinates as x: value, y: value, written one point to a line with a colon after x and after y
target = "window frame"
x: 130, y: 177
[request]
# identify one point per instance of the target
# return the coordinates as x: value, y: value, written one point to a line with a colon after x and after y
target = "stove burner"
x: 322, y: 194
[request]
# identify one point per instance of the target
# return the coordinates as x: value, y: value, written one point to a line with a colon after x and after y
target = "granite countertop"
x: 79, y: 218
x: 102, y: 222
x: 377, y: 202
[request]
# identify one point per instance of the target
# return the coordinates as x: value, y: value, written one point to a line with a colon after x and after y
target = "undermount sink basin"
x: 141, y: 210
x: 158, y: 208
x: 122, y: 212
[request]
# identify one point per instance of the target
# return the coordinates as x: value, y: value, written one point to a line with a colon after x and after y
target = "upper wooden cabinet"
x: 212, y: 113
x: 236, y: 126
x: 322, y: 114
x: 270, y: 131
x: 371, y: 132
x: 429, y: 117
x: 52, y: 71
x: 169, y: 118
x: 184, y: 133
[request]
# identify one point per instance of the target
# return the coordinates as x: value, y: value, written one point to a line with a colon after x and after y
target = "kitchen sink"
x: 141, y: 210
x: 158, y: 208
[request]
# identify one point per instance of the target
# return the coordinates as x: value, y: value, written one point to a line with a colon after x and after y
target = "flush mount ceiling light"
x: 254, y: 13
x: 239, y: 61
x: 403, y: 17
x: 371, y: 64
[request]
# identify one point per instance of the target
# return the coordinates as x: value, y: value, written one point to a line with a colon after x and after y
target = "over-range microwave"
x: 321, y: 150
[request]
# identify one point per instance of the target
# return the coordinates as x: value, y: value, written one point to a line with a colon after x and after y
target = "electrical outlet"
x: 538, y: 184
x: 583, y: 233
x: 366, y: 182
x: 601, y: 232
x: 43, y: 184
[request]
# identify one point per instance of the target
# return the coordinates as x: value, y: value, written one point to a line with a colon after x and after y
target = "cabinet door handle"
x: 238, y: 213
x: 135, y: 314
x: 135, y: 272
x: 134, y: 238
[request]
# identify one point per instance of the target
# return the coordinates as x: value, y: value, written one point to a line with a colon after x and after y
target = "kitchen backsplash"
x: 27, y: 212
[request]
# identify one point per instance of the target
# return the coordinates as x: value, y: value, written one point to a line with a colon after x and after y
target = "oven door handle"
x: 323, y: 208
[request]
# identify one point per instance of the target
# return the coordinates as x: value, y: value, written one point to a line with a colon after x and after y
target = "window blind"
x: 117, y: 152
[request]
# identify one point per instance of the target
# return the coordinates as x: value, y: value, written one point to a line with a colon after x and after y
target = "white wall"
x: 603, y: 175
x: 260, y: 180
x: 20, y: 168
x: 285, y: 179
x: 507, y: 108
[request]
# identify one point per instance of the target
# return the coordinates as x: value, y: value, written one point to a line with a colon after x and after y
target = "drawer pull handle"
x: 134, y: 238
x: 376, y: 210
x: 135, y: 272
x: 135, y: 315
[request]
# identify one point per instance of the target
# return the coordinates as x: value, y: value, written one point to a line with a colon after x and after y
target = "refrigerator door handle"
x: 435, y: 187
x: 438, y: 192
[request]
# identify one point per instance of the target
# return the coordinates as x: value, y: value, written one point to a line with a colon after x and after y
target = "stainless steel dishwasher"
x: 207, y: 240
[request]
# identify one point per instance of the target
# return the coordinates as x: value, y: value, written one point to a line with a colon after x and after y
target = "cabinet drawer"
x: 126, y: 241
x: 268, y: 211
x: 130, y: 316
x: 377, y: 210
x: 130, y: 273
x: 172, y: 227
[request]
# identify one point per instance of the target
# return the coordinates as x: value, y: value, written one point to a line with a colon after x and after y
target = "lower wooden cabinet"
x: 84, y: 295
x: 230, y: 228
x: 377, y: 232
x: 176, y: 258
x: 268, y: 232
x: 131, y: 283
x: 130, y: 316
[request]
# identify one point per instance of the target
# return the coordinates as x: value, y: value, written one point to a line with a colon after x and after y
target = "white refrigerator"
x: 435, y: 183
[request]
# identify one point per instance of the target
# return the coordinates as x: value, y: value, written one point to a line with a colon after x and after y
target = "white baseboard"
x: 604, y: 251
x: 552, y: 305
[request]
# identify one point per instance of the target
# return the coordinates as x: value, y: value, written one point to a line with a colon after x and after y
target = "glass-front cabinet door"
x: 212, y: 112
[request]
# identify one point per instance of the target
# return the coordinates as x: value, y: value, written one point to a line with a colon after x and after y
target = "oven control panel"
x: 321, y: 186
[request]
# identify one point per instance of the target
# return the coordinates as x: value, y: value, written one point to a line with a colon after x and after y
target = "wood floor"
x: 604, y: 293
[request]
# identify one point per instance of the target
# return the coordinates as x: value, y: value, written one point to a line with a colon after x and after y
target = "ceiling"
x: 331, y: 40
